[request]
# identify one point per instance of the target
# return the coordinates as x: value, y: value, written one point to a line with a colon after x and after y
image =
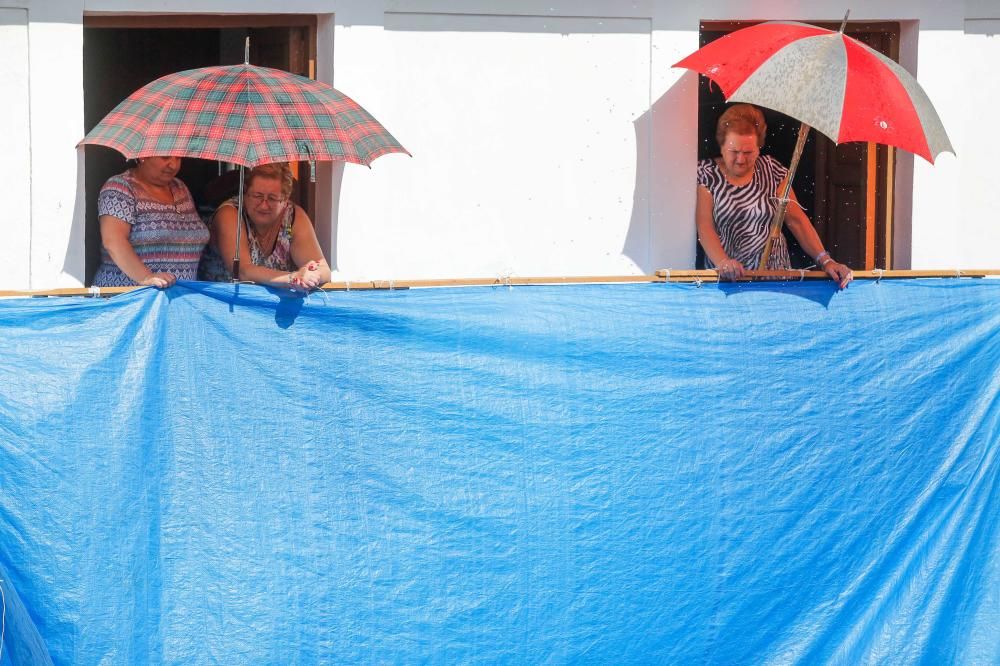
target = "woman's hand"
x: 159, y: 280
x: 730, y: 269
x: 308, y: 277
x: 838, y: 272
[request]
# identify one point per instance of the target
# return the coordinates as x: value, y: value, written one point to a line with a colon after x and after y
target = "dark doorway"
x: 122, y: 54
x: 846, y: 190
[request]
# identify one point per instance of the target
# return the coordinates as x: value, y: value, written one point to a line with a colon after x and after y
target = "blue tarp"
x: 766, y: 473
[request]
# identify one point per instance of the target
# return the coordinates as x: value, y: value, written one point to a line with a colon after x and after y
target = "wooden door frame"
x: 881, y: 160
x: 104, y: 20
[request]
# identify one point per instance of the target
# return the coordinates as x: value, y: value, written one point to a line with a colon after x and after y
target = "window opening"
x: 847, y: 190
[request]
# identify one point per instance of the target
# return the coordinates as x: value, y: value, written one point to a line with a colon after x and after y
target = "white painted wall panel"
x: 55, y: 42
x: 936, y: 218
x: 15, y: 146
x: 979, y: 231
x: 524, y: 142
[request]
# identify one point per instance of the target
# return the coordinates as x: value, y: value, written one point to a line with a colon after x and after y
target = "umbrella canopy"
x: 243, y: 114
x: 827, y: 80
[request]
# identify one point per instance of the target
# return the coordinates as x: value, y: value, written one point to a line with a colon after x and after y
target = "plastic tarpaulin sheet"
x: 766, y: 473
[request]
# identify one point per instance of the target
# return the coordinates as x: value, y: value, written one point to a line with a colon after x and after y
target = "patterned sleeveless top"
x: 167, y: 237
x: 742, y: 213
x: 214, y: 269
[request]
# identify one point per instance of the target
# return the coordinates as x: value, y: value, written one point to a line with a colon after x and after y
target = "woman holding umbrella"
x: 151, y: 233
x: 737, y: 193
x: 277, y: 236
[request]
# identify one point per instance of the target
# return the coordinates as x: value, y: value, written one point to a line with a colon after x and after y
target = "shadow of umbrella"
x: 288, y: 307
x: 817, y: 291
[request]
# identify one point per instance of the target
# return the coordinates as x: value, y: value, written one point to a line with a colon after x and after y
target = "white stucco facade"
x: 548, y: 138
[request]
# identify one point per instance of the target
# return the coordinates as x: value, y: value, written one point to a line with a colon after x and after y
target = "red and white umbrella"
x: 827, y: 80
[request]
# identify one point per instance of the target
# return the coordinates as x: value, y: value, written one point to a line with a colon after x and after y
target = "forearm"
x: 268, y: 276
x: 125, y: 257
x: 704, y: 222
x: 710, y: 242
x: 806, y: 235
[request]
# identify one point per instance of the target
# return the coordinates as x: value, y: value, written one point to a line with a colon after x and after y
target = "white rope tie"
x: 787, y: 201
x: 94, y: 291
x: 802, y: 275
x: 878, y: 274
x: 666, y: 278
x: 697, y: 282
x: 347, y: 285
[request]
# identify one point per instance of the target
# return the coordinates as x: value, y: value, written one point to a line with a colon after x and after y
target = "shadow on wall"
x: 74, y: 262
x: 328, y: 209
x: 661, y: 232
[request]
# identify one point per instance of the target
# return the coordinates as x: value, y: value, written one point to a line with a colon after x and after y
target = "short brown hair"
x: 279, y: 171
x: 742, y: 119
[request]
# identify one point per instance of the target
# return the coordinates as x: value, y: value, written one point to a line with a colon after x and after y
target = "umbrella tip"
x: 246, y: 52
x: 843, y: 23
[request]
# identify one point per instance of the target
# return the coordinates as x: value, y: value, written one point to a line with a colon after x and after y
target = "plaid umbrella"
x: 243, y: 114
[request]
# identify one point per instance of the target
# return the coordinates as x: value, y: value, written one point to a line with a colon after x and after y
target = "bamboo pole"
x: 779, y: 209
x: 795, y: 276
x: 663, y: 275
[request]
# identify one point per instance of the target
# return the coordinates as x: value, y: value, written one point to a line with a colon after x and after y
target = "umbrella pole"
x: 239, y: 196
x: 239, y: 227
x: 779, y: 210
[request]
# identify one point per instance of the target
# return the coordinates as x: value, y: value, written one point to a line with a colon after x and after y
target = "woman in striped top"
x: 151, y: 232
x: 737, y: 193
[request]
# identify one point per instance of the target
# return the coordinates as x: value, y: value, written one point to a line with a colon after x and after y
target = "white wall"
x: 978, y: 234
x: 548, y: 138
x: 936, y: 240
x: 15, y: 158
x: 522, y: 131
x: 56, y: 92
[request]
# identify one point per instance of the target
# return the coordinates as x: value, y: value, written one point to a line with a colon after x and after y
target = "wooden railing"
x: 664, y: 275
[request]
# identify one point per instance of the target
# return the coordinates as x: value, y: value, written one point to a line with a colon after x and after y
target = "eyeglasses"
x: 273, y: 199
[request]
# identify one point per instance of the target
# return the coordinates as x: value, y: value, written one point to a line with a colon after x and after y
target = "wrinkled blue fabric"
x: 766, y: 473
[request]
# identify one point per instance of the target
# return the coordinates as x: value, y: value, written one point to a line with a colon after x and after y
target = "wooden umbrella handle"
x: 779, y: 211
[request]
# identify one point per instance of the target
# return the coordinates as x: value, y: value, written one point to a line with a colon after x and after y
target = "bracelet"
x: 819, y: 258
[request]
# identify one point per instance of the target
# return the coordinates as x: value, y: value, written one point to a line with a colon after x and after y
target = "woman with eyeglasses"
x: 151, y: 233
x: 278, y: 245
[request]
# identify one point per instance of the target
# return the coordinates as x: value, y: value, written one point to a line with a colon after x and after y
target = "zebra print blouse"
x: 742, y: 214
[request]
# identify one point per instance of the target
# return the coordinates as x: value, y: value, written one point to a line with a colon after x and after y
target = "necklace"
x: 267, y: 239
